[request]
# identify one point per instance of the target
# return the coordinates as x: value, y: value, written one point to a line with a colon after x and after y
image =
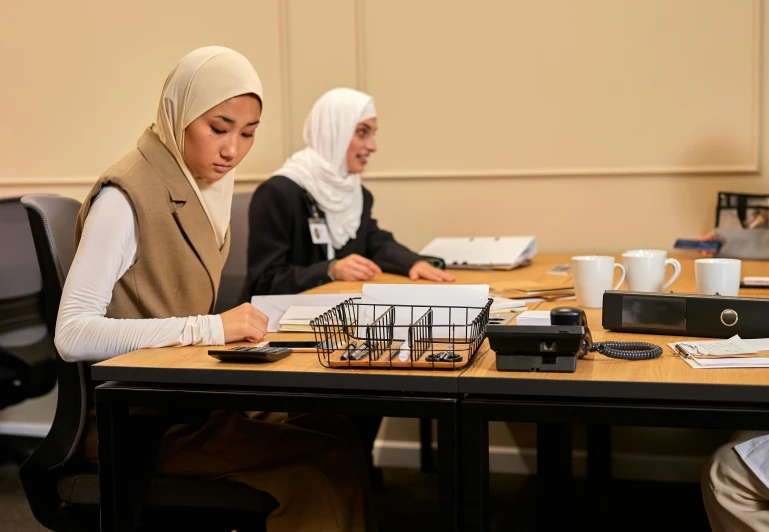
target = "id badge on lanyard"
x: 319, y: 234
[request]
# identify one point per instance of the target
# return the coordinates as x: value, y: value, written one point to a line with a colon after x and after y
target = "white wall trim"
x: 662, y: 468
x: 21, y: 428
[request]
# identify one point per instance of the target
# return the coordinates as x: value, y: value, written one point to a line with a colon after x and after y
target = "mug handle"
x: 676, y: 272
x: 622, y: 277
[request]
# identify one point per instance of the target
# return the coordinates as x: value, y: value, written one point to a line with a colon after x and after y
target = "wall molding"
x: 419, y: 175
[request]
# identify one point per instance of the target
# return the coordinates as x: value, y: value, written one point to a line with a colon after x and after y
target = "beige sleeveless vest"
x: 179, y: 263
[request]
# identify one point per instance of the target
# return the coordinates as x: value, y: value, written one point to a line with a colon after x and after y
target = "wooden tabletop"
x: 597, y: 375
x: 664, y: 376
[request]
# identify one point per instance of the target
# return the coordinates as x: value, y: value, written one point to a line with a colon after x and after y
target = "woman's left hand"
x: 424, y: 270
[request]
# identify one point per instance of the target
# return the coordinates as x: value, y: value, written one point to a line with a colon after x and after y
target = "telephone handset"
x: 622, y: 350
x: 556, y: 347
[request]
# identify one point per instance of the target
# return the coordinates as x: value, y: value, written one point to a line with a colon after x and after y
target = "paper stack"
x: 504, y: 304
x: 533, y: 317
x: 275, y: 307
x: 732, y: 353
x: 297, y: 318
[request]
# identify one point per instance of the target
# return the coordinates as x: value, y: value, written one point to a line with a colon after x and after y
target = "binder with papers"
x: 483, y: 253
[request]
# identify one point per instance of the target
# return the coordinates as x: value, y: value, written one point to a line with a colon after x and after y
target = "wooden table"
x: 659, y: 392
x: 603, y: 392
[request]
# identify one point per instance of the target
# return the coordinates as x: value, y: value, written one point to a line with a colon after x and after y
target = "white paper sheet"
x: 275, y: 306
x: 492, y: 252
x: 505, y: 303
x: 759, y: 344
x: 751, y: 346
x: 732, y: 346
x: 534, y: 317
x: 420, y: 297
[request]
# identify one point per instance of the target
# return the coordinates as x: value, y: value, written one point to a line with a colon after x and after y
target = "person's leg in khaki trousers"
x: 312, y: 465
x: 735, y: 499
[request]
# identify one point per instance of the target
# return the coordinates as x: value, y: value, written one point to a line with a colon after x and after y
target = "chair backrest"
x: 21, y: 288
x: 235, y: 269
x: 27, y: 355
x: 52, y: 220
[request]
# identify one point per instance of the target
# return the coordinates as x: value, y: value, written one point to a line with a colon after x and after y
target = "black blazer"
x: 281, y: 256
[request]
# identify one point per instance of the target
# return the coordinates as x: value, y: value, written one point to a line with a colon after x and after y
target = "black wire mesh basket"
x: 354, y: 334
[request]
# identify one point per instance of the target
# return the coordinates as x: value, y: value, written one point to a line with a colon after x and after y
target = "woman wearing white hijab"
x: 152, y: 237
x: 311, y: 221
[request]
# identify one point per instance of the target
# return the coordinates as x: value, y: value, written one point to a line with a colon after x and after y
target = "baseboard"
x: 20, y: 428
x: 662, y: 468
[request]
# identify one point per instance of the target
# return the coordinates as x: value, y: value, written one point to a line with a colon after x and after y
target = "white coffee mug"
x: 645, y: 270
x: 593, y: 275
x: 718, y: 276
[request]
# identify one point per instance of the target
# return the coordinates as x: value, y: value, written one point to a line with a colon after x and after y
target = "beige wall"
x: 597, y: 125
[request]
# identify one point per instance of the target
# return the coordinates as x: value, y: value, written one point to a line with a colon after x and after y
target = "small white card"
x: 319, y: 231
x: 534, y: 317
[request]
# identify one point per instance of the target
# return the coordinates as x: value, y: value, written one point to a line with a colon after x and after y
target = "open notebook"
x: 483, y: 253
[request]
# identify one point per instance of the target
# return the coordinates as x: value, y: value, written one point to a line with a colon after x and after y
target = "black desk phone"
x: 556, y: 347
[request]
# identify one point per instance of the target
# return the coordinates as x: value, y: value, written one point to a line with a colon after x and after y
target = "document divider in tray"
x: 358, y: 335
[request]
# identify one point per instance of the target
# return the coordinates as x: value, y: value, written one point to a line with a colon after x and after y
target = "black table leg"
x: 599, y: 452
x: 118, y: 512
x: 554, y: 476
x: 475, y: 473
x: 448, y: 462
x: 426, y: 445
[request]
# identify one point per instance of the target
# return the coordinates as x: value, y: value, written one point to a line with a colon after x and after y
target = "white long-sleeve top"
x: 107, y: 249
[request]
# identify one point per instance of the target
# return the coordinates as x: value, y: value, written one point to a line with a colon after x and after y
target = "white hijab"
x: 203, y: 79
x: 321, y: 168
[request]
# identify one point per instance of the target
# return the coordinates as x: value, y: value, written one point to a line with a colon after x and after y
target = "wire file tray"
x: 354, y: 334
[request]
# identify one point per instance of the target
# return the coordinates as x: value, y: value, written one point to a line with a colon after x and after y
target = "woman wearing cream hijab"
x: 288, y: 252
x: 152, y: 237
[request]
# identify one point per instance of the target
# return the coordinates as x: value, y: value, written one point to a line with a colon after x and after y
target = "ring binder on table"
x: 372, y: 331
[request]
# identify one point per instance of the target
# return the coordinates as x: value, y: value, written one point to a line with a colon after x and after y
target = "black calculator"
x: 246, y: 353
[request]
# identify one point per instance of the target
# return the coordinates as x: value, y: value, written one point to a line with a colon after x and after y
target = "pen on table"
x: 681, y: 351
x: 362, y: 351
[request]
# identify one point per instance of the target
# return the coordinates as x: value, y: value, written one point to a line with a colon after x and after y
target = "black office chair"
x: 236, y: 268
x: 62, y: 489
x: 27, y: 354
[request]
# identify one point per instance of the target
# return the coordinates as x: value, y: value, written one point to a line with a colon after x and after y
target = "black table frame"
x: 397, y: 395
x: 554, y: 405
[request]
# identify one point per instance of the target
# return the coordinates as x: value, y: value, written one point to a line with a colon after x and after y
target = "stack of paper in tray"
x: 732, y: 353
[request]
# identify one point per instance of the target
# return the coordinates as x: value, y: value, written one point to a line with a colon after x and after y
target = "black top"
x: 281, y: 256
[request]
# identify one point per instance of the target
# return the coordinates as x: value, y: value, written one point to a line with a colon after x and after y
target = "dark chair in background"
x: 62, y: 489
x: 27, y: 353
x: 235, y: 269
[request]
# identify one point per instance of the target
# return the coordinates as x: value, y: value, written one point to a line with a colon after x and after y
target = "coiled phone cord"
x: 627, y: 350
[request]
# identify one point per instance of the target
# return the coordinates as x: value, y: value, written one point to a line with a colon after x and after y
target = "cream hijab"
x: 321, y: 168
x: 203, y: 79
